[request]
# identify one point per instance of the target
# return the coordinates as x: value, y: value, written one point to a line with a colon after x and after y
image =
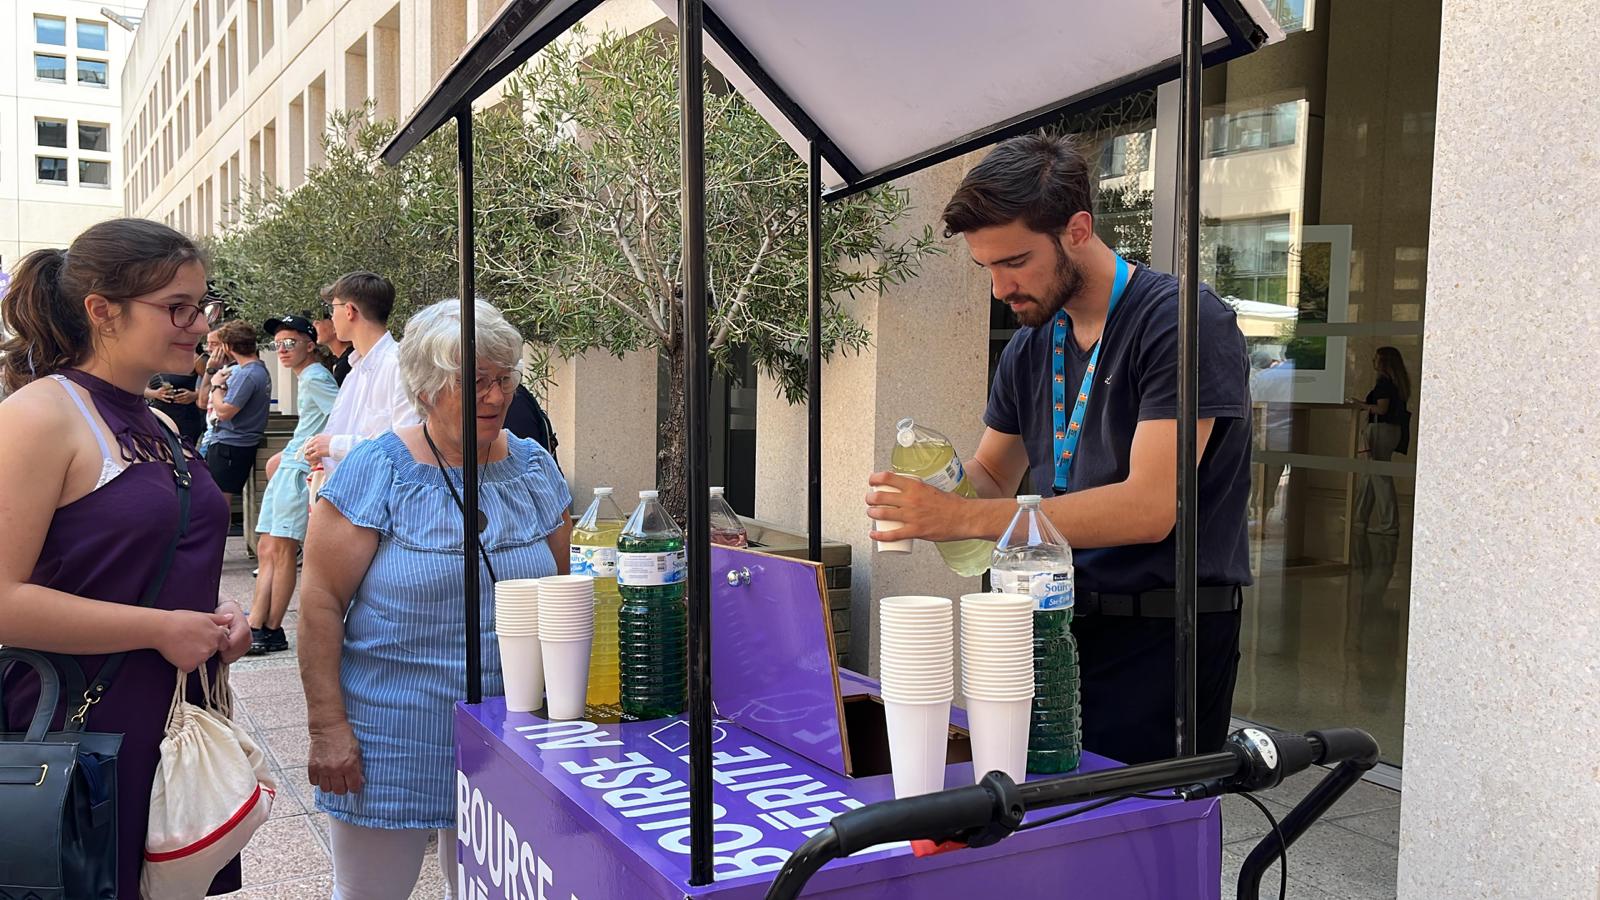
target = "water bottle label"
x: 1050, y: 590
x: 596, y: 562
x: 949, y: 477
x: 652, y: 569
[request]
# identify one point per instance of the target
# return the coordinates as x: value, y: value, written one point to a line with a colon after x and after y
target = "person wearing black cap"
x: 286, y: 503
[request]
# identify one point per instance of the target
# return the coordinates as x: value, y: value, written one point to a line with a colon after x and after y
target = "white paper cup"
x: 566, y: 610
x: 551, y: 632
x: 915, y: 603
x: 917, y: 736
x: 566, y: 677
x: 886, y: 525
x: 522, y: 664
x: 979, y: 691
x: 571, y: 582
x: 917, y: 688
x: 999, y: 731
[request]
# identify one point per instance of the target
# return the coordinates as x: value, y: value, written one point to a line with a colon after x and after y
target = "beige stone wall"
x: 1502, y: 775
x: 604, y: 413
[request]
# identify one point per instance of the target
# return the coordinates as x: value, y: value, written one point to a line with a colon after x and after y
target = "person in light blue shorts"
x: 286, y: 504
x: 382, y: 623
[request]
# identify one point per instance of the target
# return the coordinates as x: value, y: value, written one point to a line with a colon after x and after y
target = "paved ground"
x: 1350, y: 855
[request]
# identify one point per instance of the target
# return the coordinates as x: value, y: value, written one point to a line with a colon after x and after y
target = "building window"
x: 94, y: 136
x: 1247, y: 259
x: 50, y: 68
x: 1252, y: 129
x: 91, y: 35
x: 1291, y: 14
x: 52, y: 169
x: 50, y: 30
x: 94, y: 173
x: 93, y: 71
x: 51, y: 132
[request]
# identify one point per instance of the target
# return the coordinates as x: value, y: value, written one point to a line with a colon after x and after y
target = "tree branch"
x: 742, y: 295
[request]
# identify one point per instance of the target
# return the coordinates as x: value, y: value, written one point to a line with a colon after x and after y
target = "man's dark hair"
x: 1043, y: 181
x: 239, y: 337
x: 370, y: 292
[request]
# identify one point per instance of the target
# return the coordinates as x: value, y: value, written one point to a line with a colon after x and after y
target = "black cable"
x: 1283, y: 847
x: 1091, y: 807
x: 483, y: 518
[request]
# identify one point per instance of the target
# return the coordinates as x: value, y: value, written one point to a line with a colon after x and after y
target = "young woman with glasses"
x: 89, y: 495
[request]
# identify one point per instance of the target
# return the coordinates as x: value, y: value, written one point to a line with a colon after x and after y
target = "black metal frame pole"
x: 469, y: 403
x: 814, y: 356
x: 1186, y: 619
x: 691, y: 95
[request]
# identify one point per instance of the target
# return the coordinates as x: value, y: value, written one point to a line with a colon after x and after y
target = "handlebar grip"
x: 1340, y: 744
x: 1296, y: 752
x: 928, y: 816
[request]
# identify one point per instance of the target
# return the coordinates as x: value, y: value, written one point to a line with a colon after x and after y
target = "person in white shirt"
x: 372, y: 400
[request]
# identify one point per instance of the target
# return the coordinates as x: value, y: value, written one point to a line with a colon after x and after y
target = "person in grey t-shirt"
x: 241, y: 397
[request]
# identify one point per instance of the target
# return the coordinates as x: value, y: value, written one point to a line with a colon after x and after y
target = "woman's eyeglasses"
x: 184, y: 315
x: 290, y: 345
x: 507, y: 383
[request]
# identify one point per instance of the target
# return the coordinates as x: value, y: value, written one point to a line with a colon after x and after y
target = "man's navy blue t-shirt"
x: 1136, y: 380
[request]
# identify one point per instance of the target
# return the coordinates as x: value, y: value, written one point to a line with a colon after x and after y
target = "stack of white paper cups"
x: 918, y: 671
x: 997, y: 679
x: 516, y: 621
x: 566, y: 631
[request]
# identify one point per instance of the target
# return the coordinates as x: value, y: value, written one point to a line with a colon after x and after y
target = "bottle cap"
x: 1028, y: 499
x: 649, y: 495
x: 905, y: 432
x: 602, y: 491
x: 716, y: 491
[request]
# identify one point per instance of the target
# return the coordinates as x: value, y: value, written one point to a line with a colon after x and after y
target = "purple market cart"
x: 866, y: 92
x: 600, y: 808
x: 589, y: 809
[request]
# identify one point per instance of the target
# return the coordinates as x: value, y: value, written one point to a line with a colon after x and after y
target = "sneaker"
x: 258, y: 641
x: 273, y: 640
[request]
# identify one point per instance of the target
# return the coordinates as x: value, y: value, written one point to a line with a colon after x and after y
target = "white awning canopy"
x: 887, y: 87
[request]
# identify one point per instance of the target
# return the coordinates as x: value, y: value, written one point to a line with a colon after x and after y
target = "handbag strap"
x: 108, y: 672
x: 49, y: 689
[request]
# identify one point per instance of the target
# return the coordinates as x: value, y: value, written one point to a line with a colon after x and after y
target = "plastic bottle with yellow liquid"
x: 594, y: 553
x: 927, y: 455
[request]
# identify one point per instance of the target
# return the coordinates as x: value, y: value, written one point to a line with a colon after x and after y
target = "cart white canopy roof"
x: 887, y: 87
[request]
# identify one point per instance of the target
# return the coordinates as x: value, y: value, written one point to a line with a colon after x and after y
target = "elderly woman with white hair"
x: 382, y: 630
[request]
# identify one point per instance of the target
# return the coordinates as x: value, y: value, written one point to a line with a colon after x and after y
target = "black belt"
x: 1159, y: 604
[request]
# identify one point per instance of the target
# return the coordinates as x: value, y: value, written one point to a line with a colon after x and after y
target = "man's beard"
x: 1068, y: 282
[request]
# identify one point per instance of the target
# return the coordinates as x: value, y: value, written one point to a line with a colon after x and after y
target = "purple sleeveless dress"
x: 107, y: 546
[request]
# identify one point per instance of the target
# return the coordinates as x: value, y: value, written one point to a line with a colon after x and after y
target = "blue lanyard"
x: 1068, y: 432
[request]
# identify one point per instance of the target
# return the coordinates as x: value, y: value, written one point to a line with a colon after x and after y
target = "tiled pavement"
x: 1351, y: 854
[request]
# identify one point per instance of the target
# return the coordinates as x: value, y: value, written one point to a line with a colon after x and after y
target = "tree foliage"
x: 578, y: 222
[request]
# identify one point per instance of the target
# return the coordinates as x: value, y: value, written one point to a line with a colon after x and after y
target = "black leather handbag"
x: 58, y: 834
x: 58, y: 789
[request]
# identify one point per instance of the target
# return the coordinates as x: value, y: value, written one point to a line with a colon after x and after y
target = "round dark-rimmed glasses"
x: 184, y: 314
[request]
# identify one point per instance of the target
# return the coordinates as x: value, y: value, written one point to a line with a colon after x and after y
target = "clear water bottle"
x: 927, y: 455
x: 594, y: 553
x: 726, y: 527
x: 652, y: 623
x: 1032, y: 558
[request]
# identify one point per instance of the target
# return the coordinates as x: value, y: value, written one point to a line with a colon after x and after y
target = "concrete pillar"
x: 928, y: 359
x: 604, y: 413
x: 1502, y: 790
